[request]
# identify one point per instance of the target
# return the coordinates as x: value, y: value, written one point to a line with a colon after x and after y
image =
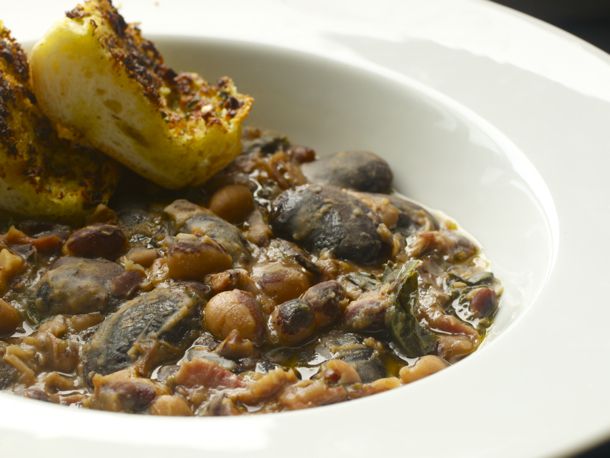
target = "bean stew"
x: 286, y: 281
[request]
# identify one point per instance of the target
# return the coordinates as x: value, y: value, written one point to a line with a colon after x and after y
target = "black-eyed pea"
x: 233, y: 203
x: 234, y: 310
x: 231, y: 279
x: 169, y: 405
x: 191, y: 257
x: 291, y: 323
x: 327, y: 301
x: 424, y: 366
x: 281, y: 282
x: 452, y: 348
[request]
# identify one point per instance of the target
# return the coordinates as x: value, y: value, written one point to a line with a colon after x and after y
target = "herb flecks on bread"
x: 42, y: 175
x: 97, y: 75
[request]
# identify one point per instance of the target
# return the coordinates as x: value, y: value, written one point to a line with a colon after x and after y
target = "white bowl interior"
x: 442, y: 155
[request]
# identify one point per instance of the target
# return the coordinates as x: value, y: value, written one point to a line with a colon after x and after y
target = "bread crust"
x: 41, y: 174
x: 96, y: 74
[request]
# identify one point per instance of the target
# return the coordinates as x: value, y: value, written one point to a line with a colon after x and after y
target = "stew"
x: 284, y: 282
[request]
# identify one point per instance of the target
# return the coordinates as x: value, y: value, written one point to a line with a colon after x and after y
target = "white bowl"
x: 495, y: 131
x: 442, y: 154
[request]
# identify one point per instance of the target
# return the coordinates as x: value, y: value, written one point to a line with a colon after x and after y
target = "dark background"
x: 589, y: 20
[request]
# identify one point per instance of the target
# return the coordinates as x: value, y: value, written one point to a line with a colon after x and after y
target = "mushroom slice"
x: 42, y: 175
x: 325, y: 217
x: 154, y: 327
x: 77, y: 285
x: 95, y: 74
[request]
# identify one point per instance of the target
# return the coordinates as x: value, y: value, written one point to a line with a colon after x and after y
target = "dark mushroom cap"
x: 359, y: 170
x: 324, y: 217
x: 162, y: 315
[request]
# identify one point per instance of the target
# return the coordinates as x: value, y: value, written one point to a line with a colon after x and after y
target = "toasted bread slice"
x: 42, y: 175
x: 95, y: 74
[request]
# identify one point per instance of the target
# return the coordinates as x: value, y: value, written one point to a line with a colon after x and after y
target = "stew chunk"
x: 324, y: 217
x: 77, y: 285
x: 154, y: 325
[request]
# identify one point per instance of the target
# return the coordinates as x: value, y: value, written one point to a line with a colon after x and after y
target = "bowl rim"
x: 588, y: 433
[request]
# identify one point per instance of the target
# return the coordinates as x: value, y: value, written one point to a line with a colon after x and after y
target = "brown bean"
x: 10, y: 318
x: 171, y: 406
x: 231, y: 279
x: 291, y: 322
x: 228, y: 236
x: 234, y: 310
x: 233, y: 202
x: 258, y: 232
x: 424, y: 366
x: 281, y: 282
x: 484, y: 302
x: 327, y: 301
x: 96, y: 241
x: 191, y: 257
